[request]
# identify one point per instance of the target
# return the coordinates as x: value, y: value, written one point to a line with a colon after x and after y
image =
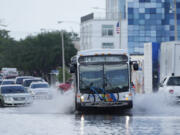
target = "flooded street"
x: 56, y: 117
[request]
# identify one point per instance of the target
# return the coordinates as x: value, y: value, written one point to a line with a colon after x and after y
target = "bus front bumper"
x: 106, y: 105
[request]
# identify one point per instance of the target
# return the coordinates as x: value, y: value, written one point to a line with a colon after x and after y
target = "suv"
x: 171, y: 88
x: 27, y: 82
x: 19, y: 79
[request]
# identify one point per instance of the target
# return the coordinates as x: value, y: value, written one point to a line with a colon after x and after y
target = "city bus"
x: 102, y: 79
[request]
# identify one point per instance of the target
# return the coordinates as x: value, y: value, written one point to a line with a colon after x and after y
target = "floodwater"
x: 151, y: 115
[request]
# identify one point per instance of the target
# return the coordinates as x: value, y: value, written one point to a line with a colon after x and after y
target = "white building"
x: 102, y: 33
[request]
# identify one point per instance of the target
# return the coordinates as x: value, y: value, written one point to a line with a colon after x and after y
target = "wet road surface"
x: 150, y: 116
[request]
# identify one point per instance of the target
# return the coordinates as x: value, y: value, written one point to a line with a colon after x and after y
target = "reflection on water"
x: 102, y: 124
x: 126, y: 125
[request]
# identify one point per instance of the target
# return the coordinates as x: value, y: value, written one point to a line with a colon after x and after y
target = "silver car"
x: 14, y: 95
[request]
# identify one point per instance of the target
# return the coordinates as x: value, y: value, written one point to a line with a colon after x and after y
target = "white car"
x: 14, y: 95
x: 8, y: 82
x: 40, y: 90
x: 171, y: 88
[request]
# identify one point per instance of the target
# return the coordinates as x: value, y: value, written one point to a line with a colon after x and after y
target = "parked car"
x: 27, y: 82
x: 40, y: 90
x: 14, y: 95
x: 19, y: 79
x: 170, y: 87
x: 8, y: 82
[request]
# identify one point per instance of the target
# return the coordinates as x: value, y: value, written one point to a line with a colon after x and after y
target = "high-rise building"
x: 148, y: 21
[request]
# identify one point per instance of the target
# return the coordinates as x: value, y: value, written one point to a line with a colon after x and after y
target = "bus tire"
x: 130, y: 105
x: 1, y: 103
x: 77, y: 106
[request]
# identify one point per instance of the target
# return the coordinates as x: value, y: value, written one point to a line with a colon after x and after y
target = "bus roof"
x: 102, y: 52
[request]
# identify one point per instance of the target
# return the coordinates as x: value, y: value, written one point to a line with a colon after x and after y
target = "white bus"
x: 102, y: 79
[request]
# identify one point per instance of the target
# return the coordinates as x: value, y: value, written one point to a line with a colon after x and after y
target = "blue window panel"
x: 136, y: 16
x: 178, y: 16
x: 147, y: 27
x: 136, y: 5
x: 130, y: 10
x: 152, y: 10
x: 142, y: 1
x: 158, y: 10
x: 158, y: 5
x: 178, y: 10
x: 142, y: 39
x: 141, y: 10
x: 171, y: 22
x: 136, y: 21
x: 158, y: 22
x: 141, y: 28
x: 141, y: 22
x: 141, y: 5
x: 171, y: 33
x: 130, y: 16
x: 159, y: 39
x: 130, y: 4
x: 153, y: 28
x: 158, y: 33
x: 131, y: 44
x: 171, y: 27
x: 136, y: 10
x: 148, y: 33
x: 159, y: 27
x: 130, y: 27
x: 167, y: 28
x: 158, y: 16
x: 172, y: 38
x: 147, y: 10
x: 147, y: 16
x: 136, y: 32
x: 130, y: 21
x: 177, y: 5
x: 141, y: 16
x: 178, y: 27
x: 136, y: 27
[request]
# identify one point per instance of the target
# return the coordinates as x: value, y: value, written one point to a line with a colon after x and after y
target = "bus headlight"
x: 82, y: 98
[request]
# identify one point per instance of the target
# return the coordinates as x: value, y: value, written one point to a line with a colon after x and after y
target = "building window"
x: 107, y: 30
x: 107, y: 45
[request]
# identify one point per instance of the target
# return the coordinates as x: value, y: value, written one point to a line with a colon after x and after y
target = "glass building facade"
x: 150, y: 21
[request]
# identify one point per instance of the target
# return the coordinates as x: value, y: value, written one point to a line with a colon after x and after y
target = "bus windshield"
x: 110, y: 77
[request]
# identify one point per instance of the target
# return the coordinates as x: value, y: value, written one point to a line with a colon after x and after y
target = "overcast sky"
x: 24, y: 17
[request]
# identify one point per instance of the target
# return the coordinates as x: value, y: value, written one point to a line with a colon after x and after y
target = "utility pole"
x: 175, y: 22
x: 120, y: 17
x: 63, y: 60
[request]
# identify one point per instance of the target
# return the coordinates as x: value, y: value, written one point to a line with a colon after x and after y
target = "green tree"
x: 35, y: 55
x: 67, y: 75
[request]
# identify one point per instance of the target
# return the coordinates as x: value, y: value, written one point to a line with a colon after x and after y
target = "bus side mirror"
x: 135, y: 66
x: 72, y: 69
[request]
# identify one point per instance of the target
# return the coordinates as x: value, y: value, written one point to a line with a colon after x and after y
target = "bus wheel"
x: 1, y: 103
x: 130, y: 105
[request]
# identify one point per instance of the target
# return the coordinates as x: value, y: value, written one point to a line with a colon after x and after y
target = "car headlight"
x: 33, y: 93
x: 8, y: 98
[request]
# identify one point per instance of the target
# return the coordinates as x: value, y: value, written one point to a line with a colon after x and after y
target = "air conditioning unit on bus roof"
x: 102, y: 52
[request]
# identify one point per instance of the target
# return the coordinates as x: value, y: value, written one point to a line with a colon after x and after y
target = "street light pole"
x: 63, y: 59
x: 175, y: 22
x: 63, y: 49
